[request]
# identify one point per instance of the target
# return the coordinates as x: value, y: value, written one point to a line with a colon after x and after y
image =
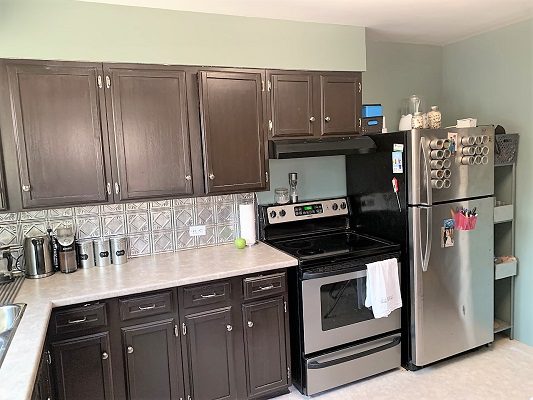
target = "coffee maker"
x: 66, y: 250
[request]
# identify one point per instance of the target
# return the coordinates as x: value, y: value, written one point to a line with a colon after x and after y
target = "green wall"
x: 490, y: 77
x: 396, y: 71
x: 73, y: 30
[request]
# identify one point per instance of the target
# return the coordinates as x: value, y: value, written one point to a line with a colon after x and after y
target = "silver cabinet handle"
x: 147, y: 308
x: 188, y: 177
x: 77, y: 321
x: 105, y: 356
x: 229, y: 328
x: 250, y: 324
x: 117, y: 188
x: 312, y: 119
x: 207, y: 296
x: 266, y: 287
x: 108, y: 187
x: 26, y: 188
x: 211, y: 176
x: 130, y: 349
x: 327, y: 119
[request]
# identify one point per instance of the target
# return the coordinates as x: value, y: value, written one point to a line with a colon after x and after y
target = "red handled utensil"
x: 395, y: 189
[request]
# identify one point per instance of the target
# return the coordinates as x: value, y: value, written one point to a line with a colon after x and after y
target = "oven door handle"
x: 360, y: 272
x: 331, y: 363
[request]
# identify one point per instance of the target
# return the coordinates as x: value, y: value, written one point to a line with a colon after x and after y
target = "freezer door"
x: 465, y: 180
x: 452, y: 288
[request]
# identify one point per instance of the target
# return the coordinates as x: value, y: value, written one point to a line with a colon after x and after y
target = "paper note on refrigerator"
x: 397, y: 162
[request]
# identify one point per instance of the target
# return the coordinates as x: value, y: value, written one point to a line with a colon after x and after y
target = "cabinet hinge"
x: 48, y: 357
x: 266, y: 176
x: 176, y: 330
x: 359, y: 87
x: 184, y: 329
x: 288, y: 372
x: 262, y: 86
x: 360, y: 123
x: 269, y: 124
x: 99, y: 80
x: 269, y: 86
x: 285, y: 306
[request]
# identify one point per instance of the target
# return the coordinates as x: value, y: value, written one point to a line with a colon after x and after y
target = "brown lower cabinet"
x: 82, y: 368
x: 210, y: 341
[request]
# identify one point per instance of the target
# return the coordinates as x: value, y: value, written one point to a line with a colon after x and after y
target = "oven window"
x: 343, y: 303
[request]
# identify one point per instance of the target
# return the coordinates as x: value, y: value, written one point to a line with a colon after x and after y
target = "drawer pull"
x: 105, y: 356
x: 130, y: 350
x: 269, y: 287
x: 229, y: 328
x: 78, y: 321
x: 250, y: 324
x: 147, y: 308
x: 208, y: 296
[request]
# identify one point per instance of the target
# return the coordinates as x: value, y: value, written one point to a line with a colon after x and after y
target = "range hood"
x: 298, y: 148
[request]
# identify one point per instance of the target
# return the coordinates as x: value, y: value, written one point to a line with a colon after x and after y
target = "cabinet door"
x: 209, y: 337
x: 151, y: 359
x: 147, y: 109
x: 265, y: 347
x: 340, y: 104
x: 42, y: 389
x: 231, y: 106
x: 291, y: 105
x: 60, y: 134
x: 82, y: 368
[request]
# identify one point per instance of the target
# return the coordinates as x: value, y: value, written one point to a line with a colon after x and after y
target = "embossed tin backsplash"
x: 151, y: 227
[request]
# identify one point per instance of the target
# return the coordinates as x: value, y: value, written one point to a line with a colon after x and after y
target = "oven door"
x: 334, y: 311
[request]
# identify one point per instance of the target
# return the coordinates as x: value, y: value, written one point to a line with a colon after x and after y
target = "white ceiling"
x: 412, y: 21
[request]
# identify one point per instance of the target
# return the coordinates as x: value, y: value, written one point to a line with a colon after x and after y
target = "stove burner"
x: 310, y: 252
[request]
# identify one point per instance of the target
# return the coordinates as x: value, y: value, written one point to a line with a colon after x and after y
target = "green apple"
x: 240, y: 243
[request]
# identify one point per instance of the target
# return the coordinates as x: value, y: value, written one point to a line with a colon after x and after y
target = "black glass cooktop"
x: 333, y: 244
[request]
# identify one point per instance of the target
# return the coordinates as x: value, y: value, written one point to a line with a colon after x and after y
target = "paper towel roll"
x: 247, y: 223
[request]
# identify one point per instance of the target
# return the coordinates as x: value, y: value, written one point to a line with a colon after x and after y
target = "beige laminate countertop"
x: 19, y: 369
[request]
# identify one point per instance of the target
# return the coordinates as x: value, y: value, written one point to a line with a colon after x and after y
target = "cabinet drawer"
x: 80, y: 318
x: 265, y: 285
x: 200, y: 295
x: 146, y: 305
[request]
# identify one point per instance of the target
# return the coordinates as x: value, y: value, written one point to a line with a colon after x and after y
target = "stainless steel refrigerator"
x: 443, y: 217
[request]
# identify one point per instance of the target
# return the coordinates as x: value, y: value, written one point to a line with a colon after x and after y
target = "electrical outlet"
x: 197, y: 230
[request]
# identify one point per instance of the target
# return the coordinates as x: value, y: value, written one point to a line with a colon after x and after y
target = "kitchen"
x: 465, y: 77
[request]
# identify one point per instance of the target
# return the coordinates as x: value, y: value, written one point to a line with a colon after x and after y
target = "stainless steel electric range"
x: 335, y: 339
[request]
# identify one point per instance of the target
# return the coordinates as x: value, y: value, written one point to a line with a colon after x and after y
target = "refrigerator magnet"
x: 397, y: 162
x: 452, y: 136
x: 447, y: 233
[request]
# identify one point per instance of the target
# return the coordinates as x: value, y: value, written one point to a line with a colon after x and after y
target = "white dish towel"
x: 383, y: 287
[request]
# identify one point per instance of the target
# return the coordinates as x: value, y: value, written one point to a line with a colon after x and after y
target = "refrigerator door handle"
x: 427, y: 170
x: 429, y: 238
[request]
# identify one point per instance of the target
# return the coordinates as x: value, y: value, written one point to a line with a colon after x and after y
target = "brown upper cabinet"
x: 233, y: 129
x: 59, y: 132
x: 148, y: 124
x: 313, y: 104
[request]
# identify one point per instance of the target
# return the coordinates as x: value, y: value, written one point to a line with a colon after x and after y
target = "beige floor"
x: 503, y: 371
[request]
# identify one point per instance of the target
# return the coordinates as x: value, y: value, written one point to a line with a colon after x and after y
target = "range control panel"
x: 300, y: 211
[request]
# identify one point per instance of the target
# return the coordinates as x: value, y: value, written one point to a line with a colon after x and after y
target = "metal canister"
x: 102, y: 252
x: 118, y: 250
x: 85, y: 253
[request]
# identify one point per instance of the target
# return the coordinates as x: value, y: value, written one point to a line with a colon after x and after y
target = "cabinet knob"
x: 26, y: 188
x: 250, y: 324
x: 105, y: 356
x: 229, y: 328
x: 130, y: 349
x: 117, y: 188
x: 327, y: 119
x: 312, y: 119
x: 188, y: 177
x: 108, y: 187
x: 211, y: 176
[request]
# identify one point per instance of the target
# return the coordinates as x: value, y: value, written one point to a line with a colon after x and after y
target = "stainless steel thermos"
x: 102, y: 252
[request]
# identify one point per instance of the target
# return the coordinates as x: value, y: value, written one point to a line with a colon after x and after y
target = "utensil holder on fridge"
x: 464, y: 222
